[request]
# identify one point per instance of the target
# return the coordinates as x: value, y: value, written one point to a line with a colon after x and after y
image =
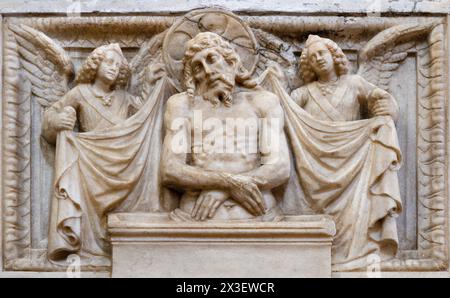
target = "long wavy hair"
x: 88, y: 70
x: 207, y: 40
x: 341, y: 63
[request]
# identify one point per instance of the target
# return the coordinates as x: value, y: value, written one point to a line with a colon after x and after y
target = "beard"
x: 219, y: 90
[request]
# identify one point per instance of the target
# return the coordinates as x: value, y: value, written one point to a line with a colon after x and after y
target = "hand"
x: 381, y: 103
x: 154, y: 72
x: 66, y: 119
x: 245, y: 191
x: 207, y: 204
x: 382, y: 107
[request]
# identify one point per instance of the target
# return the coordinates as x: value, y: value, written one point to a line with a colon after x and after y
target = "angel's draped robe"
x: 113, y: 163
x: 346, y: 167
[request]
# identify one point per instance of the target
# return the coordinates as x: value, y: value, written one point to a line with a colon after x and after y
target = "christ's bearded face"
x: 214, y: 76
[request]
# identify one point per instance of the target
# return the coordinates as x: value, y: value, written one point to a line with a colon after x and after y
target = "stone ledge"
x: 422, y: 274
x: 141, y: 225
x: 36, y: 274
x: 258, y: 6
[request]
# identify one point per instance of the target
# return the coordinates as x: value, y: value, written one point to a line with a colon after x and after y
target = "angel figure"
x: 331, y: 93
x: 346, y: 153
x: 107, y: 161
x: 97, y: 101
x: 111, y: 162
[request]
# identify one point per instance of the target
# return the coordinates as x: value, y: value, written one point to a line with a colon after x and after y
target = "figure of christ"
x: 217, y: 181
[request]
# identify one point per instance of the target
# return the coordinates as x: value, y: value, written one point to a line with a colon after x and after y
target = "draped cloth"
x: 348, y: 170
x: 96, y: 171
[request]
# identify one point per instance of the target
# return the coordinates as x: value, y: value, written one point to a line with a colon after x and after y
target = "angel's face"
x: 108, y: 69
x: 214, y: 76
x: 320, y: 59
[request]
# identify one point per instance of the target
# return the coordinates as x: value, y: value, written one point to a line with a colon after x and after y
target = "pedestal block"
x: 151, y: 245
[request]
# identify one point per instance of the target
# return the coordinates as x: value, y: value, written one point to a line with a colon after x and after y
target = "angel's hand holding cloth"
x: 65, y: 120
x: 381, y: 103
x: 60, y: 116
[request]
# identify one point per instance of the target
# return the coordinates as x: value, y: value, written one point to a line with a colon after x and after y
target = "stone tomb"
x: 149, y: 245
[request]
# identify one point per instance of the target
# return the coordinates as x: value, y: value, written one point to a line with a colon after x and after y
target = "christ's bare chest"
x: 224, y: 137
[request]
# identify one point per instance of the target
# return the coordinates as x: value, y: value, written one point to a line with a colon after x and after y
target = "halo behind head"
x: 221, y: 22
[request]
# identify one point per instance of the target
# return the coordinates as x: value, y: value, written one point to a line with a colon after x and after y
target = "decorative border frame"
x: 432, y: 253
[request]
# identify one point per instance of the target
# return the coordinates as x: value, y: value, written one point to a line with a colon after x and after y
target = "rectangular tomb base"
x: 151, y: 245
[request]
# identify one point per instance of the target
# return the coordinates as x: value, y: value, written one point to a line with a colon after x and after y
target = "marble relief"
x: 218, y: 118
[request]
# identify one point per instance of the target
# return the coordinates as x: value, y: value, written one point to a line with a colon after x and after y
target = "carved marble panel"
x: 411, y: 65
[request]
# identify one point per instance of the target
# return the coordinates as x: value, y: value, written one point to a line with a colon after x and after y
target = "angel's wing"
x: 149, y: 54
x: 384, y: 53
x: 46, y: 64
x: 273, y: 51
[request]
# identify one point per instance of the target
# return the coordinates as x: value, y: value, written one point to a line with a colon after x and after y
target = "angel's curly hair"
x: 341, y: 63
x: 88, y: 70
x: 206, y: 40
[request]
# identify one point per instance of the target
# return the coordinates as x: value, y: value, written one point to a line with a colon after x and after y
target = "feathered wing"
x: 147, y: 59
x: 47, y: 66
x: 274, y: 52
x: 384, y: 53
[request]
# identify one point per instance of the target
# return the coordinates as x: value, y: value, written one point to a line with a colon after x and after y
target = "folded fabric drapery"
x: 96, y: 171
x: 348, y: 170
